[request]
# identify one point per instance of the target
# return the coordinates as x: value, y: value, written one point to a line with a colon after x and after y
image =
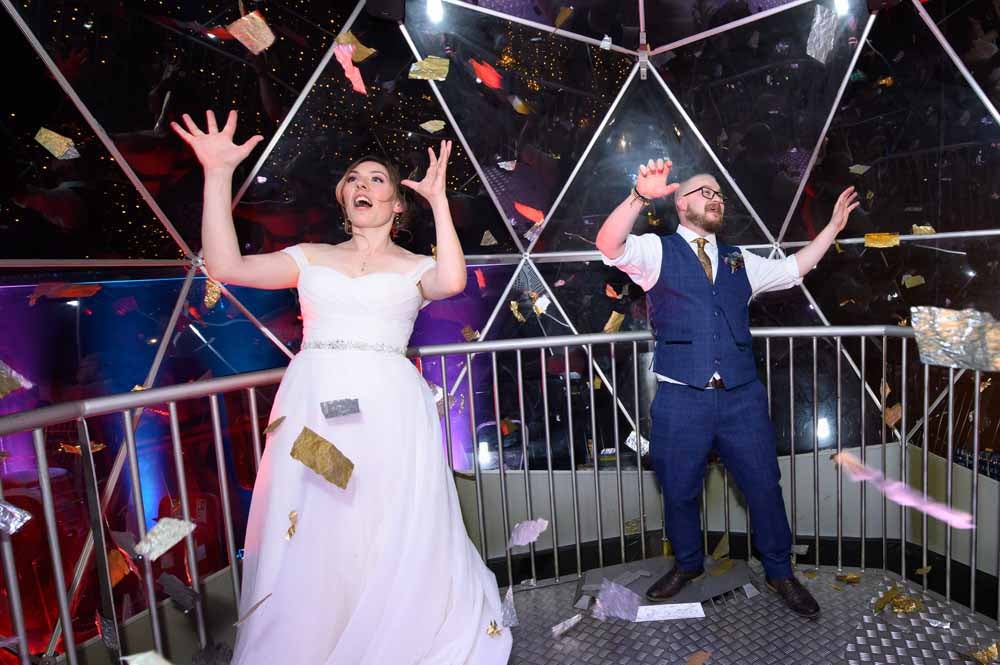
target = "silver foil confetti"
x: 166, y: 533
x: 822, y: 35
x: 525, y: 533
x: 508, y: 613
x: 560, y: 628
x: 584, y: 602
x: 614, y: 600
x: 967, y: 339
x: 644, y: 442
x: 339, y: 408
x: 12, y: 518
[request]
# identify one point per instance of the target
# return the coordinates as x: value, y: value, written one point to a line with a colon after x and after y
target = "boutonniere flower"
x: 734, y: 260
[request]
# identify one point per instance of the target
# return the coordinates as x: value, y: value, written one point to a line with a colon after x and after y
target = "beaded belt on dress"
x: 345, y: 344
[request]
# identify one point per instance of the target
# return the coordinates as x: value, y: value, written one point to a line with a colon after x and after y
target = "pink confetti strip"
x: 902, y: 494
x: 344, y: 54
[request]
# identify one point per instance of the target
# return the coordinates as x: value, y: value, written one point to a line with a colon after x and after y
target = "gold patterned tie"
x: 706, y: 263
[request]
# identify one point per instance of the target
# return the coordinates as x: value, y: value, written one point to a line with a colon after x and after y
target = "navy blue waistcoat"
x: 701, y: 328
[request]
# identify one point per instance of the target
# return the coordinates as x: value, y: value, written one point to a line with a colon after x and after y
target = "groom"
x: 708, y: 393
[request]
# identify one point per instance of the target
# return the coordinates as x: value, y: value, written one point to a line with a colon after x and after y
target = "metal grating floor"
x: 757, y: 630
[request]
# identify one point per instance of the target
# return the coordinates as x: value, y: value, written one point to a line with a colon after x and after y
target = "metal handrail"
x: 99, y: 406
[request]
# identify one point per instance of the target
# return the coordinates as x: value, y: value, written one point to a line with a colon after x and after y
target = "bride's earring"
x: 348, y: 227
x: 395, y: 225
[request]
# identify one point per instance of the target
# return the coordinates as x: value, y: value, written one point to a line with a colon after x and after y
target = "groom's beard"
x: 712, y: 223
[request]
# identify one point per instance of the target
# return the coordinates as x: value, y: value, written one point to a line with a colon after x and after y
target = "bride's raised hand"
x: 215, y: 148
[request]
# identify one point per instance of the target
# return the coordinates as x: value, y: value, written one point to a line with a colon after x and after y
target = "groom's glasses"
x: 708, y: 193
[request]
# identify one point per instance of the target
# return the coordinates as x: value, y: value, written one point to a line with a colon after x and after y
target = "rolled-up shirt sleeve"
x: 640, y: 259
x: 770, y: 274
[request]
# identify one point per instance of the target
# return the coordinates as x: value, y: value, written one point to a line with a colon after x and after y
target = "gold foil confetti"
x: 836, y: 246
x: 881, y: 240
x: 886, y: 81
x: 137, y: 388
x: 849, y: 578
x: 563, y: 15
x: 902, y: 604
x: 923, y: 571
x: 721, y: 569
x: 859, y: 169
x: 252, y: 31
x: 668, y: 549
x: 893, y: 414
x: 614, y: 322
x: 923, y: 230
x: 62, y: 290
x: 886, y: 598
x: 721, y: 550
x: 293, y: 522
x: 361, y: 52
x: 986, y: 655
x: 837, y: 587
x: 250, y: 611
x: 965, y: 338
x: 323, y: 457
x: 212, y: 293
x: 11, y: 380
x: 598, y: 383
x: 432, y: 126
x: 469, y: 334
x: 73, y: 449
x: 911, y: 281
x: 811, y: 574
x: 985, y: 384
x: 493, y: 630
x: 520, y: 105
x: 273, y: 426
x: 699, y: 657
x: 431, y: 68
x: 58, y: 145
x: 516, y: 312
x: 166, y: 533
x: 488, y: 239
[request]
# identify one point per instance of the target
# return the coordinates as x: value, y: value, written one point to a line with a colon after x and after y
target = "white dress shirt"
x: 643, y: 257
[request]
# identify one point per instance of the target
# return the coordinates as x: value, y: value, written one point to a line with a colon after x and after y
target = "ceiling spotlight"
x: 435, y: 11
x: 841, y: 7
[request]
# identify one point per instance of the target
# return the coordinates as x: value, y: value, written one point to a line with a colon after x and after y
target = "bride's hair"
x: 402, y: 220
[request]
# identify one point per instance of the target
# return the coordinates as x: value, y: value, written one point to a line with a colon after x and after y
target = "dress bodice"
x: 377, y: 309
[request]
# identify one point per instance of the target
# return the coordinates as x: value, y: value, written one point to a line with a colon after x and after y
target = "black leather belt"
x: 716, y: 382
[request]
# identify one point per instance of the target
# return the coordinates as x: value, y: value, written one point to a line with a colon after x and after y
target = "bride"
x: 373, y: 566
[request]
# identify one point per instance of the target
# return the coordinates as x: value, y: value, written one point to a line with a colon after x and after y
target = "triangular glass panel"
x: 213, y: 338
x: 527, y: 101
x: 911, y: 135
x: 860, y: 285
x: 760, y: 94
x: 69, y: 199
x: 967, y: 28
x: 667, y: 23
x: 617, y: 22
x: 292, y: 197
x: 138, y: 68
x: 82, y: 334
x: 645, y: 125
x: 528, y: 310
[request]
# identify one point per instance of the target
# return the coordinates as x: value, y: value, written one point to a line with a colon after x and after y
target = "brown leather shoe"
x: 796, y: 596
x: 670, y: 584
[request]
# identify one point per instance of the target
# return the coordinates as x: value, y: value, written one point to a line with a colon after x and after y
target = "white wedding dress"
x: 382, y: 572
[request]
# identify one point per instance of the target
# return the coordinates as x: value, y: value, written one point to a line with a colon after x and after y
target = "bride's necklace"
x: 364, y: 261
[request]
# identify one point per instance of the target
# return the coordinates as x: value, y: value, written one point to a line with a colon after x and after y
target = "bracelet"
x: 637, y: 195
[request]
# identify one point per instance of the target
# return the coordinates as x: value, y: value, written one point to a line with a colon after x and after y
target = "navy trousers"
x: 687, y: 424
